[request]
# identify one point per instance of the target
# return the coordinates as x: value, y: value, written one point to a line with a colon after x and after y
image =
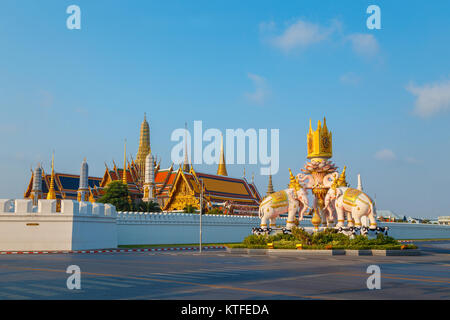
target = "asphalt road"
x: 219, y: 275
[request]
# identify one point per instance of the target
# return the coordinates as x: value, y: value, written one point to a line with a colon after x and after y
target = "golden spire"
x: 293, y: 183
x: 270, y: 186
x: 124, y: 175
x: 144, y: 147
x: 222, y: 169
x: 341, y: 182
x: 51, y: 192
x: 186, y: 157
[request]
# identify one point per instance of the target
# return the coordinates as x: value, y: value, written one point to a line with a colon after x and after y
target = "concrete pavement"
x: 218, y: 275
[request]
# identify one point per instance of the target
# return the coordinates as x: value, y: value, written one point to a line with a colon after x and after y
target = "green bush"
x: 301, y: 235
x: 328, y: 239
x: 189, y: 209
x: 255, y: 239
x: 215, y: 211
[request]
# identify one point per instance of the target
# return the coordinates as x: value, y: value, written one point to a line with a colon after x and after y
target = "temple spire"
x: 37, y: 184
x: 186, y: 167
x: 124, y: 174
x: 83, y: 188
x: 144, y: 148
x: 222, y: 169
x: 270, y: 186
x: 51, y: 192
x: 359, y: 183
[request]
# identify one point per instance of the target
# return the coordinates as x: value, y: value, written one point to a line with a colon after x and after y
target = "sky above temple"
x: 232, y: 64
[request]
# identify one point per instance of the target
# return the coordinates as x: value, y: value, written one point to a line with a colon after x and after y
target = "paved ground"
x: 218, y: 275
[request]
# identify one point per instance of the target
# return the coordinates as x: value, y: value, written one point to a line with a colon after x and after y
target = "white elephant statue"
x: 328, y: 215
x: 289, y: 200
x: 352, y: 202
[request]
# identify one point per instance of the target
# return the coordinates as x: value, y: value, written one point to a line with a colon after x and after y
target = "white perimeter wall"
x: 179, y: 228
x: 79, y: 225
x: 82, y: 225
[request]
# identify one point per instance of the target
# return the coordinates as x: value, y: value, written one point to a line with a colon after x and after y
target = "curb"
x: 342, y: 252
x: 114, y: 250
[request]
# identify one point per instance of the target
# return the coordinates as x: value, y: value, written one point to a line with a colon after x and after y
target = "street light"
x: 201, y: 213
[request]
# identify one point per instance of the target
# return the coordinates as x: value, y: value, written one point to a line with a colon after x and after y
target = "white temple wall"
x: 182, y: 228
x: 27, y: 228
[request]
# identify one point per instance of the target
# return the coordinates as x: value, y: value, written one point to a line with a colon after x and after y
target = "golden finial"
x: 51, y: 192
x: 293, y: 183
x: 222, y: 169
x: 341, y: 182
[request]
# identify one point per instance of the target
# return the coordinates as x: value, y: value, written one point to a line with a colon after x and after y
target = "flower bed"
x: 325, y: 240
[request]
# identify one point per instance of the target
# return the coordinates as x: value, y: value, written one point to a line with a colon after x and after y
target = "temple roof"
x: 66, y: 185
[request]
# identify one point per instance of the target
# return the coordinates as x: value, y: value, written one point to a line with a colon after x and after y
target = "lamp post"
x: 201, y: 213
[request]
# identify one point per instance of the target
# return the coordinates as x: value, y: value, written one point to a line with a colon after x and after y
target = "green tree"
x: 150, y: 206
x: 189, y: 209
x: 215, y: 211
x: 116, y: 193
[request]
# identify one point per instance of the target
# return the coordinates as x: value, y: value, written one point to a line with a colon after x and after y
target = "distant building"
x: 388, y: 215
x: 444, y: 220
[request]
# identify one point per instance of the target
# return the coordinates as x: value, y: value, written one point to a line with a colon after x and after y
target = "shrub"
x: 189, y: 209
x: 215, y: 211
x: 301, y: 235
x: 255, y: 239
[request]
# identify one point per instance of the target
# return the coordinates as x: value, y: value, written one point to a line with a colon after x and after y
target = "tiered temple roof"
x: 174, y: 189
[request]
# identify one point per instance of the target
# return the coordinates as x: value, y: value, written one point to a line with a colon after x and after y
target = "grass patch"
x: 137, y: 246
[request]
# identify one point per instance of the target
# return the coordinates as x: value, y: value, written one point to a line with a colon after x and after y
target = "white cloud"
x: 350, y: 78
x: 261, y: 89
x: 297, y: 35
x: 364, y: 44
x: 431, y: 98
x: 412, y: 160
x: 385, y: 154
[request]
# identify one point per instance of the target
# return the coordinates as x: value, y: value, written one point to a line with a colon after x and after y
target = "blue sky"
x: 233, y: 64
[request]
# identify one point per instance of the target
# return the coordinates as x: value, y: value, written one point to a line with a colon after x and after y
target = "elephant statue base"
x: 352, y: 231
x: 270, y: 231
